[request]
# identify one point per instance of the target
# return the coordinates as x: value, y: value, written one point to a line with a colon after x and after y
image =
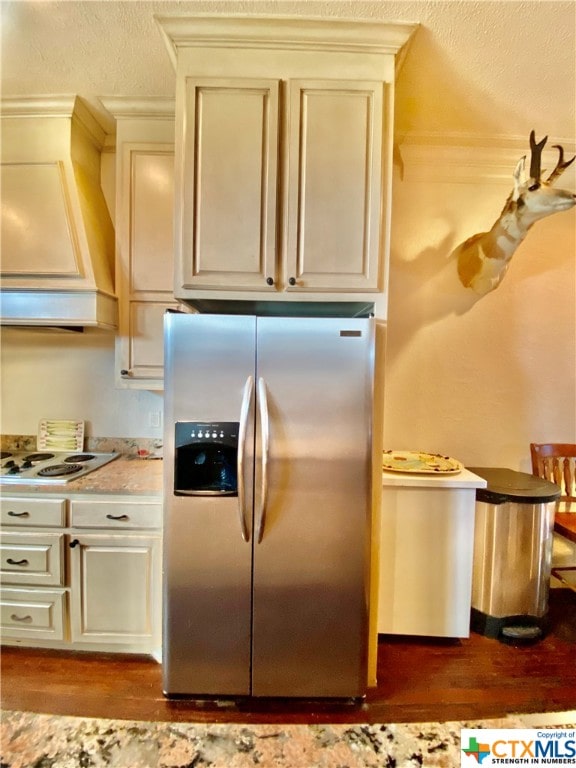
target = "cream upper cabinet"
x: 226, y: 223
x: 144, y: 242
x: 283, y: 157
x: 231, y: 186
x: 334, y: 186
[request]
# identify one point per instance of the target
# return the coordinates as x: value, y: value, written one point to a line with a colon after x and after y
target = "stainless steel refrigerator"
x: 267, y: 505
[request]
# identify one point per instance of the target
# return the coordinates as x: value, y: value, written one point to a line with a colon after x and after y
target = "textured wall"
x: 474, y: 66
x: 478, y: 377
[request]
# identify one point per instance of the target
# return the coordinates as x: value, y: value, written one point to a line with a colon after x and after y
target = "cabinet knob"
x: 124, y: 372
x: 270, y: 281
x: 74, y: 543
x: 292, y: 281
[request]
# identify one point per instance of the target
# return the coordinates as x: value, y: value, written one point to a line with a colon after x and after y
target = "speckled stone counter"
x: 137, y: 470
x: 46, y: 741
x: 124, y: 475
x: 65, y: 742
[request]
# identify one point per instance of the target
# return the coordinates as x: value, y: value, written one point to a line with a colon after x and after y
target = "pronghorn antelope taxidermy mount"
x: 483, y: 259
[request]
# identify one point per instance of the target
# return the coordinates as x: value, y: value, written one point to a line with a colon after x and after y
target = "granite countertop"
x: 125, y: 475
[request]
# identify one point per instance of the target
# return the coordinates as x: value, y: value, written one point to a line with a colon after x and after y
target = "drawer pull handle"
x: 117, y: 517
x: 11, y: 561
x: 11, y: 513
x: 74, y: 543
x: 21, y: 619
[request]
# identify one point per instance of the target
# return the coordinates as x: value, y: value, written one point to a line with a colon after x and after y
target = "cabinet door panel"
x: 146, y: 339
x: 229, y: 166
x: 151, y: 194
x: 112, y: 595
x: 335, y: 181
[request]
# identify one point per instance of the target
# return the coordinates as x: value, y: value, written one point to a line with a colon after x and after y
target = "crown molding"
x: 58, y: 106
x: 468, y: 158
x: 150, y: 107
x: 38, y: 106
x: 282, y: 33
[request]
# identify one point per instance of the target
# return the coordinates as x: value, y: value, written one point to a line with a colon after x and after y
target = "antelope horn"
x: 560, y: 165
x: 536, y: 156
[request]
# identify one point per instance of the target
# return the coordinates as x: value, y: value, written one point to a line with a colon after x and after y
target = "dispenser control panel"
x: 188, y: 432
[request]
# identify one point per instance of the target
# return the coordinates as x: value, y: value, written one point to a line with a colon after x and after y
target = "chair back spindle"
x: 557, y: 462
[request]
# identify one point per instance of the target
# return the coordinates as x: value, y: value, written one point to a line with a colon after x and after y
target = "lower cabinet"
x: 426, y: 553
x: 87, y: 578
x: 113, y: 589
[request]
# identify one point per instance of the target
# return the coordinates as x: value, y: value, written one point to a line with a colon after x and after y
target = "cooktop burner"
x: 79, y: 457
x: 25, y: 467
x: 58, y: 470
x: 38, y: 456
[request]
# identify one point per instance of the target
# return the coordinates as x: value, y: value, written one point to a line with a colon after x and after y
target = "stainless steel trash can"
x: 512, y: 554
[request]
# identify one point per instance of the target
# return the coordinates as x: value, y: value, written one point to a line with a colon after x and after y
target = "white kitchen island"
x: 426, y: 553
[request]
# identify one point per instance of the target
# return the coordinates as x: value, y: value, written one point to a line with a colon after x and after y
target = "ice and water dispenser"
x: 206, y: 458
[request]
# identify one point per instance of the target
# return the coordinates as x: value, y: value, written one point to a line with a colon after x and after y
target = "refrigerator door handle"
x: 265, y: 427
x: 244, y: 410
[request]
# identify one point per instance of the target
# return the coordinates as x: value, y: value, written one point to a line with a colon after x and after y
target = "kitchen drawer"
x: 32, y: 558
x: 36, y: 512
x: 116, y: 515
x: 32, y: 613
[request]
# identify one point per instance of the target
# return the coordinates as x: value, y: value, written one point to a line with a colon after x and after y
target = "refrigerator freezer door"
x: 310, y: 608
x: 207, y: 561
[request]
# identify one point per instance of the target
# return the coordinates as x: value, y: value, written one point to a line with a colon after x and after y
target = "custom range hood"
x: 57, y: 238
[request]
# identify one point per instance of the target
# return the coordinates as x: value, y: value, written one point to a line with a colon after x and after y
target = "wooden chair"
x: 557, y: 462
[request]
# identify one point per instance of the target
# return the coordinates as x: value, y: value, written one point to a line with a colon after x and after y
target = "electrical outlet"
x: 154, y: 419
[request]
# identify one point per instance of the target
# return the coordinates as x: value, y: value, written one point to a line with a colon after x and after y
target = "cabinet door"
x: 149, y: 192
x: 145, y: 260
x: 145, y: 342
x: 226, y: 201
x: 114, y: 594
x: 335, y: 185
